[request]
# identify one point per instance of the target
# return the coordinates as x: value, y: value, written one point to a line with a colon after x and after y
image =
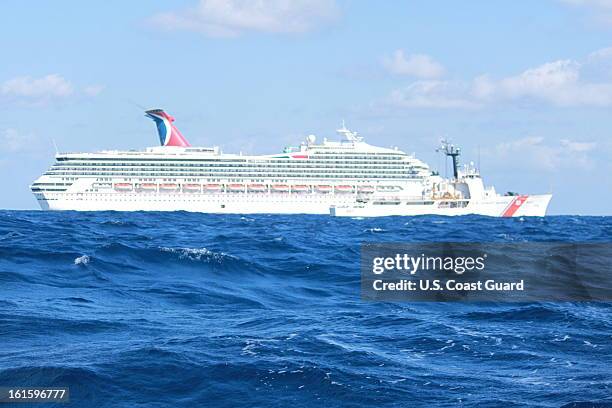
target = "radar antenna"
x: 451, y: 150
x: 349, y: 135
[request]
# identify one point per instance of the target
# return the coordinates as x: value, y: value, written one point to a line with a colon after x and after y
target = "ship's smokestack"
x: 169, y: 135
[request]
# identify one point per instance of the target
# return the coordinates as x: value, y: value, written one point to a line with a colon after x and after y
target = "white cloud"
x: 230, y: 18
x: 430, y: 94
x: 598, y: 66
x: 48, y: 86
x: 604, y: 53
x: 540, y: 81
x: 417, y: 65
x: 536, y: 152
x: 558, y: 83
x: 564, y: 83
x: 12, y: 141
x: 40, y: 91
x: 578, y: 146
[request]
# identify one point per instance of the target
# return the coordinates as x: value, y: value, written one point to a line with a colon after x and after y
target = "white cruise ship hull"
x: 500, y: 206
x: 245, y: 203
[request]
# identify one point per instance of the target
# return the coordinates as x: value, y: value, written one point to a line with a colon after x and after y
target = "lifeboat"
x: 148, y: 187
x: 344, y: 189
x: 235, y: 187
x: 280, y: 188
x: 168, y: 187
x: 123, y: 186
x: 300, y: 188
x: 365, y: 189
x: 213, y: 187
x: 191, y: 188
x: 323, y: 189
x: 257, y: 187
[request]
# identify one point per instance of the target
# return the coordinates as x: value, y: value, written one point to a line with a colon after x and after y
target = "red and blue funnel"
x: 169, y: 135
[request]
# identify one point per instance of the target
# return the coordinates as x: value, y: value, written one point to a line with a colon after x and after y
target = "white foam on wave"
x: 375, y: 229
x: 564, y: 338
x: 11, y: 234
x: 196, y: 254
x: 248, y: 349
x: 82, y: 260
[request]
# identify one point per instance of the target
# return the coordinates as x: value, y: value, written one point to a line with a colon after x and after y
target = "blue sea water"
x: 181, y: 309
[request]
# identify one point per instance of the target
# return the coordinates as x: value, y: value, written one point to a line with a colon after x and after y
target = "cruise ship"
x: 345, y: 177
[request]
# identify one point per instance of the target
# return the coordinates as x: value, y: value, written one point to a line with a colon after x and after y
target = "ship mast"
x: 349, y: 135
x: 451, y: 150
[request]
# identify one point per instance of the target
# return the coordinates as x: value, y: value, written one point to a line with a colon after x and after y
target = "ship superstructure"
x: 309, y: 178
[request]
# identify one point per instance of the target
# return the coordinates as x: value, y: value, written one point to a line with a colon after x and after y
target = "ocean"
x: 190, y: 310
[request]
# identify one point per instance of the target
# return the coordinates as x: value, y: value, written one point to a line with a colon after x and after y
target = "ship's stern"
x: 534, y: 206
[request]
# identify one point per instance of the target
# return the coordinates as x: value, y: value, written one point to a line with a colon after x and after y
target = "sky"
x: 525, y: 88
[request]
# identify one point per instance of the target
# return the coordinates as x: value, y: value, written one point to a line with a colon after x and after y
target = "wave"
x: 185, y: 309
x: 531, y: 312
